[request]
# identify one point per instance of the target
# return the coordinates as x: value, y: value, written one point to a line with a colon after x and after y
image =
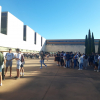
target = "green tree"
x: 92, y: 44
x: 86, y: 44
x: 89, y: 43
x: 99, y: 48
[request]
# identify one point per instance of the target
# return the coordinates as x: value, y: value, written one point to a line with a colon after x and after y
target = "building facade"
x: 14, y: 34
x: 68, y: 45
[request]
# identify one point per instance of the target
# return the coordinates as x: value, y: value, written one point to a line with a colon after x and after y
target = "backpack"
x: 22, y: 58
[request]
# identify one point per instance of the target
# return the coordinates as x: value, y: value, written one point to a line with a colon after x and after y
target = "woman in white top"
x: 18, y: 59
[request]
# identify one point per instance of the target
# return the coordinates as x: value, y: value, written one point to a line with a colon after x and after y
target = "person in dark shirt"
x: 61, y: 59
x: 67, y: 60
x: 58, y: 58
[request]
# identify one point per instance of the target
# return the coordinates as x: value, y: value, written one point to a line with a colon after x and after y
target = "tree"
x: 86, y: 44
x: 89, y: 43
x: 92, y: 44
x: 99, y: 48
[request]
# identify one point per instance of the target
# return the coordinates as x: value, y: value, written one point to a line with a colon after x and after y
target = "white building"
x: 14, y: 34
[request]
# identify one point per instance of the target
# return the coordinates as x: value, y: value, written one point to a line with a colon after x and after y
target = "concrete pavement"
x: 51, y: 83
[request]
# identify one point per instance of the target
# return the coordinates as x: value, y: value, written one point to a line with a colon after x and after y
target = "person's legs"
x: 3, y: 78
x: 44, y: 63
x: 68, y: 63
x: 61, y: 62
x: 7, y: 64
x: 0, y: 79
x: 41, y: 64
x: 10, y: 71
x: 18, y: 71
x: 6, y: 71
x: 74, y: 63
x: 0, y: 75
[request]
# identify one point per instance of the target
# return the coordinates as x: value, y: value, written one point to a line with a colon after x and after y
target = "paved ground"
x: 51, y: 83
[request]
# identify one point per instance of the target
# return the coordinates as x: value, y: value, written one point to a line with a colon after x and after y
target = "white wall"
x: 14, y: 31
x: 67, y: 48
x: 38, y: 42
x: 43, y: 44
x: 0, y: 19
x: 14, y: 37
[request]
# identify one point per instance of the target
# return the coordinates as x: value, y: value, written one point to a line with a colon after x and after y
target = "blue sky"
x: 57, y: 19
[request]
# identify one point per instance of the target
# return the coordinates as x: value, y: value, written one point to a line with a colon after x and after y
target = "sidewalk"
x: 51, y: 83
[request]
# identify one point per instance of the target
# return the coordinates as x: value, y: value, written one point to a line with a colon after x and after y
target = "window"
x: 24, y: 33
x: 41, y: 41
x: 4, y: 23
x: 35, y: 38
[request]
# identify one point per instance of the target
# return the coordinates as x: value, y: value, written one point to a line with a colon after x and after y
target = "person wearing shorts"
x: 9, y: 57
x: 18, y: 59
x: 22, y: 65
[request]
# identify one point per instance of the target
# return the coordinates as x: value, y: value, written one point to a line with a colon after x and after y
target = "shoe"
x: 45, y: 66
x: 64, y: 67
x: 40, y: 67
x: 23, y: 75
x: 1, y: 84
x: 17, y: 78
x: 97, y: 70
x: 79, y: 69
x: 10, y: 75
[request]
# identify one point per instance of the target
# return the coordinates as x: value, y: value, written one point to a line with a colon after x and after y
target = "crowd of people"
x: 19, y: 57
x: 31, y: 55
x: 63, y: 59
x: 78, y: 60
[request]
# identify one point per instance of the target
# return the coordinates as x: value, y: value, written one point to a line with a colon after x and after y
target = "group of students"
x: 31, y: 55
x: 82, y: 61
x: 7, y: 60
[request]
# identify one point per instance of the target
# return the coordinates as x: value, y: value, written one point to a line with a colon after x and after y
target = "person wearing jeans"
x: 42, y: 59
x: 67, y: 60
x: 80, y: 62
x: 67, y: 63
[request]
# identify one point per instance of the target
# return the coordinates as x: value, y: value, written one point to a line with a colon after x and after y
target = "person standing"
x: 22, y: 64
x: 9, y: 57
x: 61, y: 59
x: 64, y: 59
x: 80, y: 62
x: 1, y: 63
x: 85, y: 61
x: 67, y: 60
x: 42, y: 55
x: 18, y: 59
x: 75, y: 60
x: 58, y: 58
x: 98, y: 63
